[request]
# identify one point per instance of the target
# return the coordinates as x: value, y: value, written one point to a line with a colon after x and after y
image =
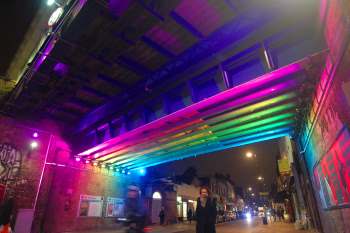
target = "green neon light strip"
x: 206, y: 133
x: 203, y: 147
x: 249, y: 109
x: 253, y: 116
x: 257, y: 129
x: 243, y: 132
x: 254, y: 124
x: 205, y: 151
x: 237, y: 133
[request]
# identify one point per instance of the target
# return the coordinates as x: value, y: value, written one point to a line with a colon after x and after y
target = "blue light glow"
x: 142, y: 171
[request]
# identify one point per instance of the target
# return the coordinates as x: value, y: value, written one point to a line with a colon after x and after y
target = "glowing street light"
x: 253, y: 194
x: 249, y: 154
x: 51, y: 2
x: 250, y: 189
x: 260, y: 178
x: 34, y: 145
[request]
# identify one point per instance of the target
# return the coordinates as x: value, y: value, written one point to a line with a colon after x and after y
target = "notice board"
x: 115, y: 207
x: 90, y: 206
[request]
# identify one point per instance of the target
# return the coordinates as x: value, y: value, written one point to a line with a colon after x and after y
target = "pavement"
x: 238, y: 226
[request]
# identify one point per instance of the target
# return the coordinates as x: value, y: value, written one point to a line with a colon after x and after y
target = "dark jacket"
x: 206, y: 216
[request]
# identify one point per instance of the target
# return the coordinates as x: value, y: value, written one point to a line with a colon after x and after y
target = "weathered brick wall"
x: 63, y: 203
x: 64, y: 180
x: 329, y: 136
x: 21, y: 166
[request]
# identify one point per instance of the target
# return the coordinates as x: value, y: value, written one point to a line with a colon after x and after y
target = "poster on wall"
x: 283, y: 166
x: 90, y: 206
x: 332, y: 173
x: 115, y: 207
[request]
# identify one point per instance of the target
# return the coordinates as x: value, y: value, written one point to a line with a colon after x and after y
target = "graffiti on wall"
x: 10, y: 163
x: 332, y: 173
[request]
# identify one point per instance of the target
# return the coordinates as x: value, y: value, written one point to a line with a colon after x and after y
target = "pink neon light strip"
x: 188, y: 111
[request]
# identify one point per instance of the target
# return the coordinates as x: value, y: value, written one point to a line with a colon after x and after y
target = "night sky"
x: 243, y: 171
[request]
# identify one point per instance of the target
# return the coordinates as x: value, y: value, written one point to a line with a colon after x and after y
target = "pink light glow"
x: 35, y: 135
x: 200, y: 13
x: 87, y: 161
x: 77, y: 159
x: 166, y: 39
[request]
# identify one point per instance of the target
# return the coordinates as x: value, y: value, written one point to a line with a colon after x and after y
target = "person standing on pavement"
x: 206, y: 212
x: 162, y: 216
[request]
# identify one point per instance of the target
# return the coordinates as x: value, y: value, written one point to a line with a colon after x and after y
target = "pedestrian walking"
x: 206, y: 212
x: 189, y: 215
x: 6, y: 211
x: 161, y: 216
x: 273, y: 215
x: 280, y: 214
x: 134, y: 211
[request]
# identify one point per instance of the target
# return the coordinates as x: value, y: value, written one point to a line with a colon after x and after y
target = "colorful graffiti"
x: 332, y: 173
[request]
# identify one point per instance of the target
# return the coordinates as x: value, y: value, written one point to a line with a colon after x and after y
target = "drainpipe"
x: 42, y: 173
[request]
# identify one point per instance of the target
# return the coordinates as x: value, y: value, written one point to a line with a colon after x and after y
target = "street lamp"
x: 250, y: 189
x: 253, y: 194
x: 249, y: 154
x: 260, y: 178
x: 51, y: 2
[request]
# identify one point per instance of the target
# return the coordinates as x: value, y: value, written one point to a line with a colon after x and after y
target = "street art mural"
x: 10, y: 163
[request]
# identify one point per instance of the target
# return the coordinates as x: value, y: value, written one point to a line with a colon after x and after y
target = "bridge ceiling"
x: 115, y: 55
x: 261, y: 109
x: 143, y: 82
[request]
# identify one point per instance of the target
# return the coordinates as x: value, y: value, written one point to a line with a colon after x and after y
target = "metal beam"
x: 186, y: 25
x: 133, y: 66
x: 73, y: 112
x: 95, y: 92
x: 268, y: 57
x: 194, y: 61
x: 150, y: 9
x: 81, y: 102
x: 157, y: 47
x: 112, y: 81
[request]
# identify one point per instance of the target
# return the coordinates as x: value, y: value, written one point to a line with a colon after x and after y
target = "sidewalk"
x: 174, y: 228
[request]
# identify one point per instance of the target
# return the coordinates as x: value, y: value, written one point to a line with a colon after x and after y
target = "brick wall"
x: 21, y: 166
x: 328, y: 138
x: 64, y: 180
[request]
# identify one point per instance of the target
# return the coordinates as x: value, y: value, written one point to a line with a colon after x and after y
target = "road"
x: 255, y: 226
x: 238, y: 226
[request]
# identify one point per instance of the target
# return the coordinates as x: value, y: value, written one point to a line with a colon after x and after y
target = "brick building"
x: 50, y: 189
